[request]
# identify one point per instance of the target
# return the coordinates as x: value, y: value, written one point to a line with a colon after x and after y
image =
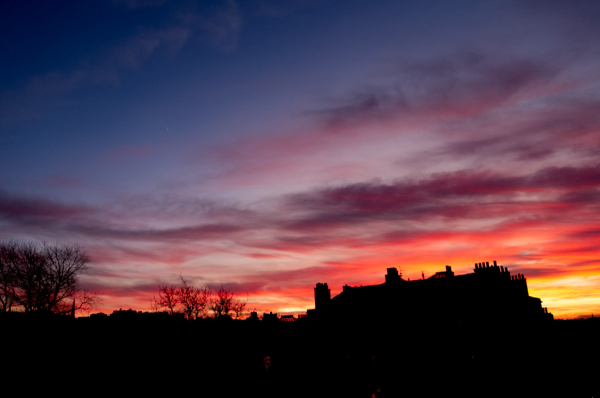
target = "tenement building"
x: 489, y: 293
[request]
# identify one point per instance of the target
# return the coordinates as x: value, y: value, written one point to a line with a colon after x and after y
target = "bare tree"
x: 64, y: 265
x: 8, y: 261
x: 239, y: 306
x: 193, y: 300
x: 167, y: 299
x: 42, y: 277
x: 226, y: 304
x: 186, y: 299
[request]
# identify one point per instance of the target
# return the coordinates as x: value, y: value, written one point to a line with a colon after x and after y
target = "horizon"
x: 267, y: 147
x: 247, y: 312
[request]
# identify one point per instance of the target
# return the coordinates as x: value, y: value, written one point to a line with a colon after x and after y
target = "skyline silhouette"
x: 509, y: 346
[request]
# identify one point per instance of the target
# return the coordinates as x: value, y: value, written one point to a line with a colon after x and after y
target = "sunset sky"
x: 269, y: 145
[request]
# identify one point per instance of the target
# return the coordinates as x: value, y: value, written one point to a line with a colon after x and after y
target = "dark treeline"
x: 137, y: 353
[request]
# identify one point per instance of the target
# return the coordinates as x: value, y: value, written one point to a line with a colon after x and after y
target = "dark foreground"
x: 212, y: 358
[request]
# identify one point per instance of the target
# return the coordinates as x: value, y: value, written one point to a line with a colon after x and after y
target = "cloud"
x: 278, y: 9
x: 562, y: 124
x: 124, y: 227
x: 313, y: 219
x: 576, y: 23
x: 139, y: 48
x: 460, y: 209
x: 139, y: 3
x: 466, y: 108
x: 217, y: 25
x: 197, y: 232
x: 29, y: 209
x: 43, y: 93
x: 579, y: 178
x: 461, y: 85
x: 593, y: 233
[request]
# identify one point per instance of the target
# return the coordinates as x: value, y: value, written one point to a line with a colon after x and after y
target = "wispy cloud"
x: 41, y: 94
x: 217, y: 25
x: 465, y: 84
x: 221, y: 25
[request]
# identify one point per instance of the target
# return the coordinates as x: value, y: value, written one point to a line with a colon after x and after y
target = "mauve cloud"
x: 461, y: 85
x: 23, y: 209
x: 200, y: 232
x: 459, y: 194
x: 563, y: 124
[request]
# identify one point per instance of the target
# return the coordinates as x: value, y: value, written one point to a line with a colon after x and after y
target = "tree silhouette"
x: 187, y: 299
x: 226, y: 304
x: 193, y: 300
x: 42, y: 277
x: 167, y: 299
x: 8, y: 263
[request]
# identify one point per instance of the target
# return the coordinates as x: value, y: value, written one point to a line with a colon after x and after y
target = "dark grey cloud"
x: 29, y: 208
x: 463, y: 194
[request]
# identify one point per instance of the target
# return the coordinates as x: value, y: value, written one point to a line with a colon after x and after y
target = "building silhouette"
x: 489, y: 294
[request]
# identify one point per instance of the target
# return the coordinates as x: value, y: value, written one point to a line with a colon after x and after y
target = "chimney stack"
x: 322, y: 296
